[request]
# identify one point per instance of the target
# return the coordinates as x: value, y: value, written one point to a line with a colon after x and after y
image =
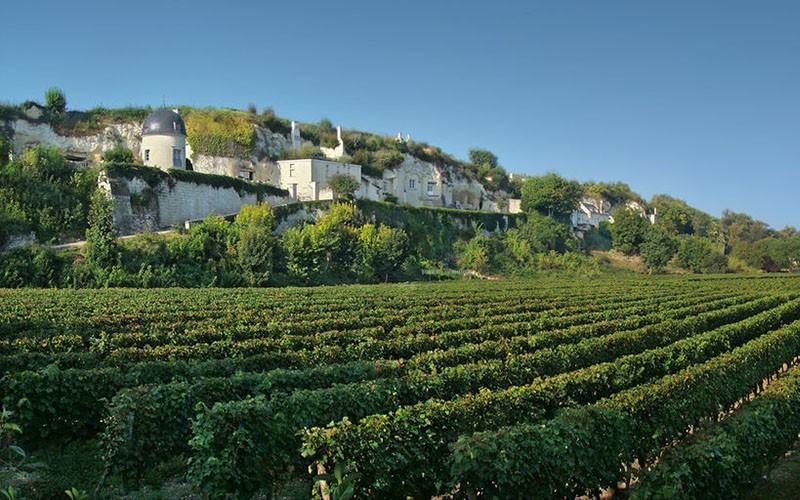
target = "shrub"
x: 274, y: 123
x: 56, y: 100
x: 118, y: 154
x: 42, y: 192
x: 343, y: 185
x: 307, y: 150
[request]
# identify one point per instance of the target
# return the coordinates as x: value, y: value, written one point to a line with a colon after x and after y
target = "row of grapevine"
x: 62, y: 404
x: 628, y: 426
x: 426, y: 430
x: 414, y: 380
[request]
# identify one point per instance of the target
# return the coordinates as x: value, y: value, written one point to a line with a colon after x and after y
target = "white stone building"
x: 590, y: 212
x: 307, y: 179
x: 164, y: 140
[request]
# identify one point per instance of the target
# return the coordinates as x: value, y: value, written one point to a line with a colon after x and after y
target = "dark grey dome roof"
x: 163, y: 121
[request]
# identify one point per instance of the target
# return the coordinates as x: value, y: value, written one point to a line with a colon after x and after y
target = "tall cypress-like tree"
x: 101, y: 235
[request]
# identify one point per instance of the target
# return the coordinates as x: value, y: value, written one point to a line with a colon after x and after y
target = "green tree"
x: 255, y: 245
x: 783, y: 252
x: 485, y: 167
x: 615, y: 192
x: 55, y: 100
x: 476, y: 254
x: 657, y: 248
x: 343, y: 185
x: 101, y: 235
x: 678, y: 217
x: 599, y: 238
x: 387, y: 158
x: 545, y: 234
x: 699, y: 255
x: 550, y: 195
x: 483, y: 157
x: 740, y: 228
x: 41, y: 191
x: 383, y: 251
x: 628, y: 230
x: 208, y: 241
x: 326, y: 250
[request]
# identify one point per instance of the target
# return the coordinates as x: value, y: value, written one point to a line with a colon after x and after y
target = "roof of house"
x: 163, y: 121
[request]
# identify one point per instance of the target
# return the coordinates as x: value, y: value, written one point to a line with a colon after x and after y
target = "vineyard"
x: 673, y: 387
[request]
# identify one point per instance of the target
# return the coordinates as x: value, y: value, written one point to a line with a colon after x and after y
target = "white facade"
x: 514, y: 205
x: 164, y: 151
x: 307, y: 179
x: 590, y: 212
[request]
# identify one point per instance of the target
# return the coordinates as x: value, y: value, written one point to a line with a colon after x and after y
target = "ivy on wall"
x: 154, y: 176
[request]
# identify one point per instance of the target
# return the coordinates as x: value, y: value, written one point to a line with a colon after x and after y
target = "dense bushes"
x: 338, y: 248
x: 35, y: 266
x: 43, y: 193
x: 699, y: 256
x: 118, y: 154
x: 219, y: 132
x: 540, y: 244
x: 93, y: 121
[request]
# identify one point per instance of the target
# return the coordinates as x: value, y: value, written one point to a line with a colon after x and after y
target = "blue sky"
x: 700, y: 100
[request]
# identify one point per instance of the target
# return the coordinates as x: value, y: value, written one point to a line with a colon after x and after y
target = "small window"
x: 431, y: 188
x: 385, y: 186
x: 412, y: 183
x: 291, y: 170
x: 146, y: 155
x: 177, y: 160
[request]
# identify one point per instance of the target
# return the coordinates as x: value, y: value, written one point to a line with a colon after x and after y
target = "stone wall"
x: 139, y: 206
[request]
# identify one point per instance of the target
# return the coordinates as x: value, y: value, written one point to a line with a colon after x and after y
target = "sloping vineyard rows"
x: 434, y: 388
x: 61, y: 404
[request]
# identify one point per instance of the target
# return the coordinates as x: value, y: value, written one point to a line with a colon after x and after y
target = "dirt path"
x: 79, y: 244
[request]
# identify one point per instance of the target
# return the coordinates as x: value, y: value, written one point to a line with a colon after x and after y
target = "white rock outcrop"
x: 27, y: 134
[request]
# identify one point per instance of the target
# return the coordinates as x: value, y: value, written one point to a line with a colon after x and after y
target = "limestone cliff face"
x: 421, y: 183
x: 26, y: 134
x: 270, y: 144
x: 414, y: 181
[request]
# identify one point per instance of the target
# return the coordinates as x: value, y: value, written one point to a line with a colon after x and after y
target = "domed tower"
x: 164, y: 140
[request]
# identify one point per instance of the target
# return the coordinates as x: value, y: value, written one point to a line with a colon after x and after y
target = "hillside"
x: 45, y: 194
x: 229, y: 142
